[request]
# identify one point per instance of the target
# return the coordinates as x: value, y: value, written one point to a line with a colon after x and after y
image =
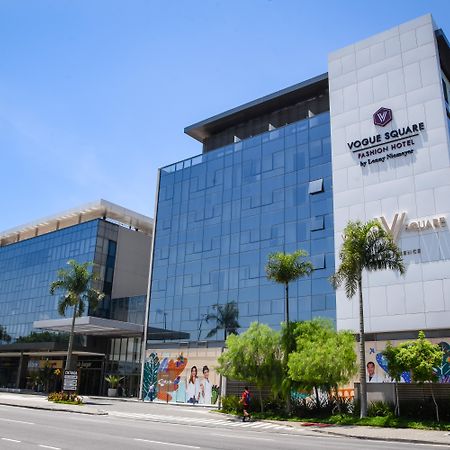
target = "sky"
x: 95, y: 94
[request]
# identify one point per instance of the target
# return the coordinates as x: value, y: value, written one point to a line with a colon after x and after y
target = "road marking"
x: 17, y: 421
x: 166, y: 443
x: 242, y: 437
x: 49, y: 446
x: 10, y: 440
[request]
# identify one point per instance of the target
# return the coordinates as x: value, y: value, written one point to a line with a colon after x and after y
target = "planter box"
x: 112, y: 392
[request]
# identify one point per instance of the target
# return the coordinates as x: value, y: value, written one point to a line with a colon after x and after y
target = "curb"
x: 385, y: 439
x: 89, y: 413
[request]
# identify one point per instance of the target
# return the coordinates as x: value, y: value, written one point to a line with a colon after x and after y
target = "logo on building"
x: 396, y: 227
x: 382, y: 117
x: 400, y: 224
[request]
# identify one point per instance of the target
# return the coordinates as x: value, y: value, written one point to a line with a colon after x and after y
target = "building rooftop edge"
x: 205, y: 128
x: 89, y: 211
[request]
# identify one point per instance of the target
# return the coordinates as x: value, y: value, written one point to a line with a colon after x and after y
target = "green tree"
x: 43, y: 336
x: 226, y: 317
x: 4, y: 336
x: 254, y: 357
x: 323, y: 358
x: 394, y: 370
x: 75, y: 287
x: 286, y: 267
x: 366, y: 246
x: 421, y: 357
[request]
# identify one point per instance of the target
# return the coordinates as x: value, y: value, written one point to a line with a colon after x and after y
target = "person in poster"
x: 193, y: 387
x: 205, y: 387
x: 372, y: 377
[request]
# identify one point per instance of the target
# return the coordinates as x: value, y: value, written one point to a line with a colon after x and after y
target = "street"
x: 22, y: 429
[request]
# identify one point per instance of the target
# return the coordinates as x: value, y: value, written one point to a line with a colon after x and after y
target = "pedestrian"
x: 245, y: 400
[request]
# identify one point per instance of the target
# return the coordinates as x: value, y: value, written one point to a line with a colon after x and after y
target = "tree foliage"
x: 4, y: 336
x: 324, y: 358
x: 420, y: 357
x: 366, y: 246
x: 76, y: 290
x: 226, y: 318
x: 253, y: 357
x: 286, y: 267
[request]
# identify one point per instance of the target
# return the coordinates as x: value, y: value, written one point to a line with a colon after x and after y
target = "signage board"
x: 70, y: 380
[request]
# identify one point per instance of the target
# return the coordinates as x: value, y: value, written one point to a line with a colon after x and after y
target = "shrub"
x: 230, y: 404
x: 64, y: 397
x: 275, y: 406
x: 308, y: 407
x: 380, y: 409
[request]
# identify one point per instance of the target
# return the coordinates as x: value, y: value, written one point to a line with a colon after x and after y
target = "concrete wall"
x: 398, y: 69
x: 132, y: 263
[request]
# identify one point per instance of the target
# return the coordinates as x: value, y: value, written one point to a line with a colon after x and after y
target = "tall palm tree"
x: 283, y: 268
x: 366, y: 246
x: 75, y: 285
x: 226, y: 317
x: 286, y: 267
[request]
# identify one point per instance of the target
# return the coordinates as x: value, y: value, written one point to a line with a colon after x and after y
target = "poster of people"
x: 377, y: 369
x: 181, y: 377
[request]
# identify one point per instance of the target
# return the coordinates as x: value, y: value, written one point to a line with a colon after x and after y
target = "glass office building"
x: 32, y: 333
x: 220, y: 215
x: 28, y: 267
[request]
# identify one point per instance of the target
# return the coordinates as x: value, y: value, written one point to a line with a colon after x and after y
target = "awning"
x: 98, y: 326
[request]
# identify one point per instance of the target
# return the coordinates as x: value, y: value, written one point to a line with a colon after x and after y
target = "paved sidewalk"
x: 41, y: 402
x: 149, y: 411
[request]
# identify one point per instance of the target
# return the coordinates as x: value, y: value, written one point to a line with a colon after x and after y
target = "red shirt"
x: 244, y: 397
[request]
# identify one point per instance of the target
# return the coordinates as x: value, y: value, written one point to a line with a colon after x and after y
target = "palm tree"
x: 226, y: 317
x: 74, y: 283
x: 4, y: 336
x: 366, y: 246
x: 286, y: 267
x: 283, y: 268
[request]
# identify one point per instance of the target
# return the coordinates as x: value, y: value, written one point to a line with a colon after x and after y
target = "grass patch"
x: 389, y: 421
x: 67, y: 402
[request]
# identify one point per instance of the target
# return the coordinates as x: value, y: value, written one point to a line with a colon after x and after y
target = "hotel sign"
x: 400, y: 224
x: 381, y: 147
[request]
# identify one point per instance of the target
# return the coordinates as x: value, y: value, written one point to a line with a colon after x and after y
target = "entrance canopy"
x: 98, y: 326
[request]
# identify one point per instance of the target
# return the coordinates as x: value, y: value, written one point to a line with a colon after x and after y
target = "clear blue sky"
x: 95, y: 94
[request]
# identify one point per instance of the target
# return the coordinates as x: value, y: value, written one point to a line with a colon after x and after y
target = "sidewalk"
x: 41, y: 402
x: 106, y: 405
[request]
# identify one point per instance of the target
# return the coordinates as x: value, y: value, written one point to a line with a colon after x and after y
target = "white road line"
x: 49, y: 446
x: 243, y: 437
x: 17, y: 421
x: 165, y: 443
x: 10, y: 440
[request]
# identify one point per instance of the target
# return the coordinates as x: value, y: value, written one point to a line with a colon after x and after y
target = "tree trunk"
x: 288, y: 346
x: 69, y: 350
x: 261, y: 400
x: 362, y: 354
x: 435, y: 403
x: 317, y: 398
x: 338, y: 400
x: 397, y: 400
x: 286, y: 300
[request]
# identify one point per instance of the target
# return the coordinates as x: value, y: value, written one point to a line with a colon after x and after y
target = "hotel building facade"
x: 367, y: 140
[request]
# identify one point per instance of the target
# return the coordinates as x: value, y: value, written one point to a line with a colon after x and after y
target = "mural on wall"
x: 377, y: 369
x: 170, y: 379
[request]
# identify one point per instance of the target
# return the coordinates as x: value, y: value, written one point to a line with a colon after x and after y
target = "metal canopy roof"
x: 288, y: 96
x: 98, y: 326
x: 90, y: 211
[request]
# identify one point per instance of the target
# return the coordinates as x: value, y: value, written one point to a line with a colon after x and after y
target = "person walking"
x: 245, y: 400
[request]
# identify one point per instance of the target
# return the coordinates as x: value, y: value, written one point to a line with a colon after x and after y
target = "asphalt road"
x: 23, y: 429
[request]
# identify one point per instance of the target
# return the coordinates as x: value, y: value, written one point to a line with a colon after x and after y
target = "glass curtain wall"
x: 220, y: 214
